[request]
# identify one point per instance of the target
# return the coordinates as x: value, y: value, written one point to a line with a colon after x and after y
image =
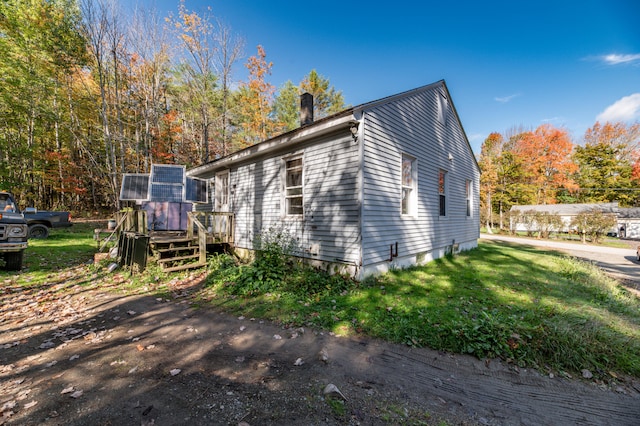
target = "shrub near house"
x: 589, y: 220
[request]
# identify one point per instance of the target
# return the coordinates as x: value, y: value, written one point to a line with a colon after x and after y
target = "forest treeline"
x: 89, y: 92
x: 544, y: 166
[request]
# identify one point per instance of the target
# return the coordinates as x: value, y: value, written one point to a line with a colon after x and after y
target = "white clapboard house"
x: 385, y: 184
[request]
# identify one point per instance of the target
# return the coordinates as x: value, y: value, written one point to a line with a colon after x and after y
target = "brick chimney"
x: 306, y: 109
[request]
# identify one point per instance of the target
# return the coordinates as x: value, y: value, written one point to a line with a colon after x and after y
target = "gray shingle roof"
x: 629, y: 213
x: 569, y: 209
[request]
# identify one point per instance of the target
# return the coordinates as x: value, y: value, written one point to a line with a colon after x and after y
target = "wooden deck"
x: 173, y: 250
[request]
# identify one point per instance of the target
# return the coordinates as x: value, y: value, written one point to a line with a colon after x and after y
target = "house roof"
x: 629, y: 213
x: 293, y: 137
x: 567, y: 209
x: 342, y: 119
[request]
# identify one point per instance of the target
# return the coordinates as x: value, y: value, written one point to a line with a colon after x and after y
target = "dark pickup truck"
x: 40, y: 222
x: 13, y: 240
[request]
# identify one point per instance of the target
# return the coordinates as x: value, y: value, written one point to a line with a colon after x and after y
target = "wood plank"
x: 185, y: 266
x: 178, y: 258
x: 174, y: 249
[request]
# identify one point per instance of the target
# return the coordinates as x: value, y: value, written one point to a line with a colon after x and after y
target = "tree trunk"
x: 489, y: 213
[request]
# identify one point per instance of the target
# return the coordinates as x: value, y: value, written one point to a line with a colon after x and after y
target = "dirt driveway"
x: 88, y: 355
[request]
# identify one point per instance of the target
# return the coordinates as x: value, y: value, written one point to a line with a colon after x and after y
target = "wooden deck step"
x: 170, y: 240
x: 175, y: 249
x: 184, y: 266
x: 178, y: 258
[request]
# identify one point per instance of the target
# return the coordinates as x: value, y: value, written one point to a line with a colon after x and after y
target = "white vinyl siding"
x: 414, y: 124
x: 352, y: 209
x: 329, y: 229
x: 332, y: 207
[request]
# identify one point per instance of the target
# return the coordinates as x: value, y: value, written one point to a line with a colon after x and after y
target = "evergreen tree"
x: 326, y: 99
x: 286, y: 107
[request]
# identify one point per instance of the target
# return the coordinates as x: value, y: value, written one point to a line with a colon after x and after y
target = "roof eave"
x: 286, y: 140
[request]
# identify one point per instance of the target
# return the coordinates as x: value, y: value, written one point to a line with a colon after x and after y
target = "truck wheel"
x: 13, y: 261
x: 38, y: 230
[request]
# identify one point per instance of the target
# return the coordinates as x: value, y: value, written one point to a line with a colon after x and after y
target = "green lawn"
x: 530, y: 307
x: 565, y: 238
x: 74, y: 245
x: 527, y: 306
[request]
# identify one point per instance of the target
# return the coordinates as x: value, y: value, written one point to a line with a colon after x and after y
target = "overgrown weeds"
x: 276, y: 270
x: 537, y: 309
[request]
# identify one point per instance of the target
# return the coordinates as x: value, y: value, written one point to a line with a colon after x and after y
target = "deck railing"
x: 213, y: 227
x: 196, y: 229
x: 218, y: 226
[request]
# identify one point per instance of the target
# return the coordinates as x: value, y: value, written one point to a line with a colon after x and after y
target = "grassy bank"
x: 530, y: 307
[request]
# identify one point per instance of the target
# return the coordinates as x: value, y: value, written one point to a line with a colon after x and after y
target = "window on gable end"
x: 442, y: 192
x: 443, y: 109
x: 469, y: 191
x: 409, y: 204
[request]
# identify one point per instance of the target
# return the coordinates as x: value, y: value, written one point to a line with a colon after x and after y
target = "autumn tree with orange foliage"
x: 490, y: 153
x: 549, y: 164
x: 254, y: 102
x: 196, y: 86
x: 504, y: 181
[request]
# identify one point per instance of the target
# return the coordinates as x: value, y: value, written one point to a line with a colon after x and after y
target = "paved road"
x: 618, y: 262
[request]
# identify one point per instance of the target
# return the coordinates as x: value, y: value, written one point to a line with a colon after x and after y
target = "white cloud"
x: 554, y: 120
x: 475, y: 137
x: 505, y: 99
x: 624, y: 109
x: 616, y: 59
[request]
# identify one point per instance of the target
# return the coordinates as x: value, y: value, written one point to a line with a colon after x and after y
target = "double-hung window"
x: 442, y: 192
x: 469, y: 191
x: 293, y: 190
x: 409, y: 186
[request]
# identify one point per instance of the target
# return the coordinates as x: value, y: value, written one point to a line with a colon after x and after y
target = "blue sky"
x: 508, y: 64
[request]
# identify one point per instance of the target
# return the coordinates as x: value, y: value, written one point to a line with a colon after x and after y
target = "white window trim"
x: 218, y: 201
x: 443, y: 193
x: 413, y: 197
x: 468, y: 187
x: 284, y: 197
x: 443, y: 109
